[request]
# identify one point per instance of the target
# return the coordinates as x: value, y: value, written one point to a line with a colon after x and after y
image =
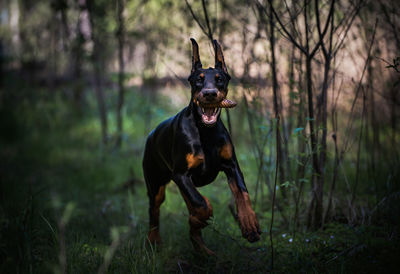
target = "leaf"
x: 262, y: 128
x: 293, y: 95
x: 288, y: 184
x: 299, y: 163
x: 296, y: 130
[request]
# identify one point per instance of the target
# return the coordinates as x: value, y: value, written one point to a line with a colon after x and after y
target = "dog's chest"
x: 208, y: 170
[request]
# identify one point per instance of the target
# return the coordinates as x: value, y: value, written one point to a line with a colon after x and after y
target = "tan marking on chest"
x: 226, y: 151
x: 194, y: 160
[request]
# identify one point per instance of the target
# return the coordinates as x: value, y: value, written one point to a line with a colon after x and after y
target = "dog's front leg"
x: 200, y: 210
x: 246, y: 216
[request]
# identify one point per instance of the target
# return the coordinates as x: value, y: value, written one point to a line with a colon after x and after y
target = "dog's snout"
x: 210, y: 94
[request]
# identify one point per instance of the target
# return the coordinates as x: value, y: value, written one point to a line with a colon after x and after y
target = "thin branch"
x: 350, y: 123
x: 330, y: 17
x: 322, y: 35
x: 183, y: 82
x: 210, y: 32
x: 391, y: 23
x: 353, y: 196
x: 288, y: 35
x: 292, y: 17
x: 274, y: 193
x: 195, y: 18
x: 348, y: 25
x: 395, y: 64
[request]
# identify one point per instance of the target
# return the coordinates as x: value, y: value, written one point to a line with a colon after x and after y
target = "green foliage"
x: 72, y: 191
x: 297, y: 130
x: 65, y: 204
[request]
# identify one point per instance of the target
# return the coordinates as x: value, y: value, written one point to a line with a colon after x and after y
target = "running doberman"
x: 191, y: 148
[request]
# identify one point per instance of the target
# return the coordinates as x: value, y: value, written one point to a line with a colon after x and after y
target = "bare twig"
x: 210, y: 32
x: 346, y: 29
x: 184, y: 83
x: 286, y: 34
x: 353, y: 196
x: 195, y: 18
x: 274, y: 193
x: 395, y: 64
x: 333, y: 183
x: 350, y: 122
x: 344, y: 252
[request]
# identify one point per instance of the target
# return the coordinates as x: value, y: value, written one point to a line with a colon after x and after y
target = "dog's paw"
x: 198, y: 243
x: 249, y: 225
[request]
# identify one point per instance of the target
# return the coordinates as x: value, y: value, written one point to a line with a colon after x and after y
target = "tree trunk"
x: 98, y: 67
x: 291, y: 92
x: 322, y: 154
x: 275, y: 88
x: 77, y: 57
x: 301, y: 145
x: 333, y: 183
x: 121, y: 38
x: 353, y: 195
x: 317, y: 192
x: 100, y: 99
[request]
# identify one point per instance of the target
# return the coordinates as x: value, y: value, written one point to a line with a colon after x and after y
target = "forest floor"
x: 67, y: 206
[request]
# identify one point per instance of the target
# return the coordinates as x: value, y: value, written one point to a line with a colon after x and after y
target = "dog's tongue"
x: 209, y: 116
x: 209, y: 111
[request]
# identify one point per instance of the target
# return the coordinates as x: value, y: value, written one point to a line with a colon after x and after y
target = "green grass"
x: 61, y: 191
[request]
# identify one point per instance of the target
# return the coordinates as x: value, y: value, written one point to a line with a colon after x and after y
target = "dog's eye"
x: 219, y: 81
x: 199, y: 81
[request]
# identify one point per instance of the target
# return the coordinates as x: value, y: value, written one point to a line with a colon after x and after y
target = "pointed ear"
x: 219, y: 58
x: 196, y: 63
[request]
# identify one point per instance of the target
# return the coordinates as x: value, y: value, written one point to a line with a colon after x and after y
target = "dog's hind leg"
x: 156, y: 178
x: 156, y: 198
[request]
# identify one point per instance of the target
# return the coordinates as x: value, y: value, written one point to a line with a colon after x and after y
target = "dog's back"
x: 157, y: 159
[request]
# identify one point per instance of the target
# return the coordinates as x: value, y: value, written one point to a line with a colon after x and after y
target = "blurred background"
x: 83, y: 82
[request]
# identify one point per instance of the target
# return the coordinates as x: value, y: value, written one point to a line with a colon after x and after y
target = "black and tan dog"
x: 191, y: 148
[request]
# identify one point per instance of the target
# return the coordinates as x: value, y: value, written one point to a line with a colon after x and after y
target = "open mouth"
x: 209, y: 112
x: 209, y: 115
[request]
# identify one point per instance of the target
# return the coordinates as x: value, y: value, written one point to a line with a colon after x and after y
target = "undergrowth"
x: 66, y: 206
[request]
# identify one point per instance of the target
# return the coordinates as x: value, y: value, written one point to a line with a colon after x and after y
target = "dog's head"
x: 209, y: 86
